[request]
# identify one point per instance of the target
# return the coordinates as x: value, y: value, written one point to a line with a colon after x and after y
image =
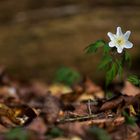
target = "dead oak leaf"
x: 91, y: 87
x: 130, y: 90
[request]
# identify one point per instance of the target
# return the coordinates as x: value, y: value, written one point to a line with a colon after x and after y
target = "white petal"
x: 119, y: 49
x: 111, y: 36
x: 111, y: 44
x: 119, y: 31
x: 127, y: 34
x: 128, y: 45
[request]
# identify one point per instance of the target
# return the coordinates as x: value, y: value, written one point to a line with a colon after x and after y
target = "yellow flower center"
x: 120, y: 41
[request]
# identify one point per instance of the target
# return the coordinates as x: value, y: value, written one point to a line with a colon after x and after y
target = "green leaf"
x: 127, y: 58
x: 55, y: 132
x: 111, y: 74
x: 67, y: 76
x: 99, y: 133
x: 92, y: 48
x: 106, y: 48
x: 17, y: 133
x: 120, y: 68
x: 106, y: 60
x: 109, y: 95
x: 129, y: 119
x: 134, y: 80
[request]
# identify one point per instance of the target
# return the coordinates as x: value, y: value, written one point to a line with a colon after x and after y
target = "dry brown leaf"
x: 3, y: 129
x: 38, y: 125
x: 76, y: 128
x: 126, y: 132
x: 99, y: 95
x: 6, y: 91
x: 130, y: 90
x: 39, y: 88
x: 91, y: 87
x: 51, y: 108
x: 81, y: 109
x: 70, y: 97
x: 85, y: 97
x: 113, y: 103
x: 58, y: 89
x: 19, y: 115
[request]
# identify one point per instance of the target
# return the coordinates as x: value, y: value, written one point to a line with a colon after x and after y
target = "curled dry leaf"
x: 24, y: 113
x: 130, y: 90
x: 113, y: 103
x: 19, y: 115
x: 120, y: 101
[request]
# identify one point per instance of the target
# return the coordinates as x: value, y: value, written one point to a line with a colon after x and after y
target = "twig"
x: 95, y: 120
x: 80, y: 118
x: 89, y: 107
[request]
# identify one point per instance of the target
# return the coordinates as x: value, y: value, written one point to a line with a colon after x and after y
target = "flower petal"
x: 127, y: 34
x: 119, y: 49
x: 111, y: 44
x: 128, y: 45
x: 111, y: 36
x: 119, y: 31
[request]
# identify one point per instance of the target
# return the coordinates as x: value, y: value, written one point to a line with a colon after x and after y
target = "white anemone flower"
x: 120, y: 40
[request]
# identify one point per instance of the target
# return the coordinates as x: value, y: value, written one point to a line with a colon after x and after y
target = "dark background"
x: 39, y: 36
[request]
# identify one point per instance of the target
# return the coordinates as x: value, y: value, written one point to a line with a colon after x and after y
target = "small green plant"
x: 17, y: 134
x: 114, y: 57
x: 55, y: 132
x: 129, y: 120
x: 134, y: 80
x: 67, y: 76
x: 99, y: 133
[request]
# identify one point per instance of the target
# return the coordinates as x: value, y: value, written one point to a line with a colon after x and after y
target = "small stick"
x: 80, y: 118
x: 116, y: 121
x: 89, y: 107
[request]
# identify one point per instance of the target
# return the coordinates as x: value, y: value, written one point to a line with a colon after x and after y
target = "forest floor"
x: 84, y: 111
